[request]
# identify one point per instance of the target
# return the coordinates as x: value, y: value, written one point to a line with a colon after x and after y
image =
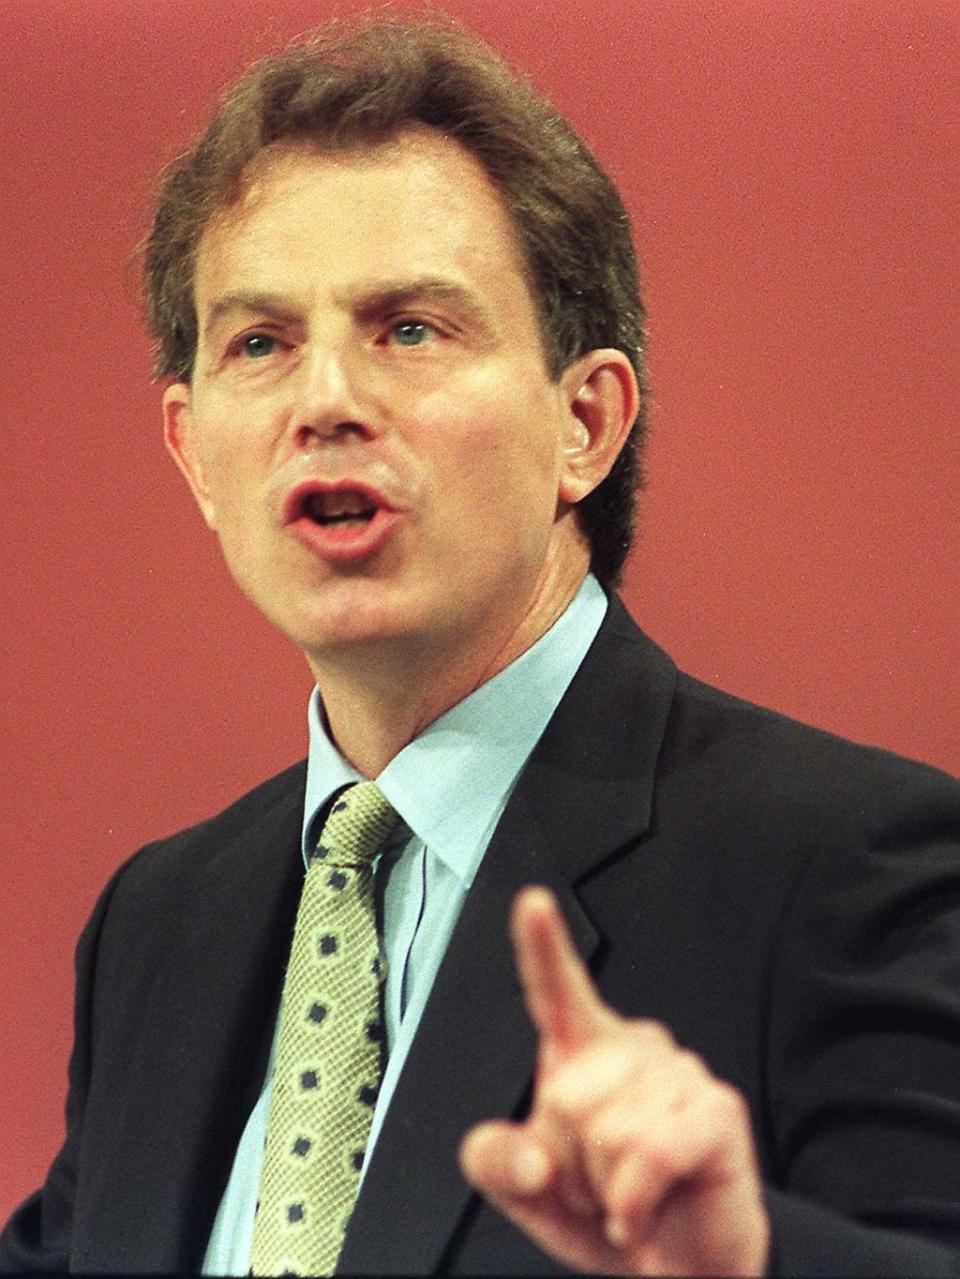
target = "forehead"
x: 418, y: 203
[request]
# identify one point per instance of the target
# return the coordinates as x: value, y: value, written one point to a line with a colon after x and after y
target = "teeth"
x: 345, y: 504
x: 341, y: 508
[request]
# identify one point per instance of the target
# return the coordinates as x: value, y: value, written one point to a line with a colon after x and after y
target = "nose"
x: 333, y: 395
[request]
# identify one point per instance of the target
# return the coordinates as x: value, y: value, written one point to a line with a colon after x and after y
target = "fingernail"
x: 616, y: 1231
x: 531, y: 1169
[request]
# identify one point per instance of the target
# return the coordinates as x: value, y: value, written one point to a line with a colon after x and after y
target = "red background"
x: 792, y: 169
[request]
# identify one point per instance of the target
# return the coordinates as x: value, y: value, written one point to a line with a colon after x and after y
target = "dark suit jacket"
x: 788, y: 904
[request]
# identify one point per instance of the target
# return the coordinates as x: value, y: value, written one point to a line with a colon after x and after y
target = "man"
x: 396, y: 311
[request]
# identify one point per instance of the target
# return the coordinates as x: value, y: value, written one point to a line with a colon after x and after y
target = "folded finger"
x: 696, y: 1150
x: 503, y: 1161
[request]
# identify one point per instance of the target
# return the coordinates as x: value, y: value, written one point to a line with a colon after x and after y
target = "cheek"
x: 502, y: 433
x: 499, y: 498
x: 234, y: 510
x: 229, y: 468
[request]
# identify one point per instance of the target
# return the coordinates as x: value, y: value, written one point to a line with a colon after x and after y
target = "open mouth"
x: 344, y: 522
x: 345, y: 509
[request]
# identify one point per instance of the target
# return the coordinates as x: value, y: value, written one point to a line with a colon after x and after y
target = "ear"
x: 602, y: 399
x: 181, y: 438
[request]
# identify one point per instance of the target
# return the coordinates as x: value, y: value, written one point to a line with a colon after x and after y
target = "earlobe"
x: 180, y: 437
x: 602, y: 400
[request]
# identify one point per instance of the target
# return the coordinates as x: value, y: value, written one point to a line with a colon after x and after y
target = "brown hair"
x: 359, y: 84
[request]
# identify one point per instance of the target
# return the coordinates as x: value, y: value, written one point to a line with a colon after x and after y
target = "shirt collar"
x: 451, y: 783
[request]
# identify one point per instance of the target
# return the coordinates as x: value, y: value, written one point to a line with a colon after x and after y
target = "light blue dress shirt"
x: 450, y: 786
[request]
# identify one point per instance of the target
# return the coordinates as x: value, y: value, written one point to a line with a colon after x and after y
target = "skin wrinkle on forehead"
x: 383, y: 297
x: 255, y: 185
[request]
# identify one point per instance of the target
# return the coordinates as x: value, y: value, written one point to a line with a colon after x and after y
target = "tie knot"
x: 357, y: 826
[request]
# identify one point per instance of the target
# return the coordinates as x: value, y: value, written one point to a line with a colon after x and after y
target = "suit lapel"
x: 189, y: 1072
x: 584, y: 796
x: 243, y: 973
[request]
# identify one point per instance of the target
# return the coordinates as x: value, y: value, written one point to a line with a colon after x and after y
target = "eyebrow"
x: 388, y: 295
x: 246, y: 303
x: 396, y: 295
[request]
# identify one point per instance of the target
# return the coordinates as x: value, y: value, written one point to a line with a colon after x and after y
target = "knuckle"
x: 657, y: 1027
x: 551, y: 1095
x: 689, y: 1066
x: 729, y: 1105
x: 562, y: 1094
x: 588, y: 1080
x: 650, y: 1035
x: 612, y: 1130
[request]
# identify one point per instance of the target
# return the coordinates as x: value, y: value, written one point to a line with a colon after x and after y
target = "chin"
x: 351, y: 623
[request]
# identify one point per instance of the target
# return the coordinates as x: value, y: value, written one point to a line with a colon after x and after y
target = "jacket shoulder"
x: 698, y: 719
x: 767, y: 748
x: 276, y: 803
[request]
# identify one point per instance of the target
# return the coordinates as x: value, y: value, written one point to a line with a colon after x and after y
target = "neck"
x: 378, y: 700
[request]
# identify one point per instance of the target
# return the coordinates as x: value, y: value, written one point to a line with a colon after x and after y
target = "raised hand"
x: 634, y: 1159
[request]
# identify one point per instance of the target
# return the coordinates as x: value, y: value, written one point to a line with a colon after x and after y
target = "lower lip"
x: 347, y: 543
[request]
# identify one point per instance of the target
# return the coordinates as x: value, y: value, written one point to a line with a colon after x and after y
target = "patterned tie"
x: 328, y: 1056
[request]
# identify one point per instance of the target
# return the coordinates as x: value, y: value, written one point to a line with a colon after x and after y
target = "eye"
x: 412, y: 332
x: 257, y: 345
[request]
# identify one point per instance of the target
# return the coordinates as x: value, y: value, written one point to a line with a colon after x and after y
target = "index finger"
x: 559, y: 993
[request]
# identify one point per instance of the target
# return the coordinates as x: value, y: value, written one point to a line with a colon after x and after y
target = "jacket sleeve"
x: 38, y: 1235
x: 863, y: 1045
x: 813, y: 1242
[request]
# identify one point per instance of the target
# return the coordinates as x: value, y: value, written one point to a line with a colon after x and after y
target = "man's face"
x: 371, y: 428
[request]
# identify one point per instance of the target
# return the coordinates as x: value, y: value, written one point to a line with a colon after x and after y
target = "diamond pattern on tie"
x: 328, y: 1065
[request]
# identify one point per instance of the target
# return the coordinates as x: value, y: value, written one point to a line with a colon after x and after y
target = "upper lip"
x: 295, y: 503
